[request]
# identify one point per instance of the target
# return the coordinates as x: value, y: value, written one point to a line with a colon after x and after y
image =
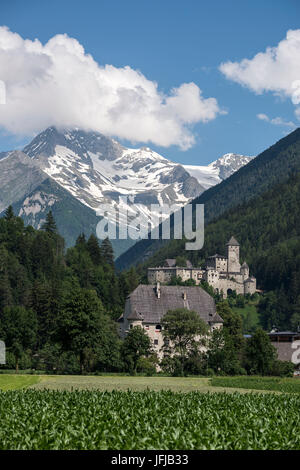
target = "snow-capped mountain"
x: 218, y: 170
x: 75, y: 172
x: 97, y: 170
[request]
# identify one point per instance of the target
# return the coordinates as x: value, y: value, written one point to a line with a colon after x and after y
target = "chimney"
x: 158, y: 289
x: 184, y: 295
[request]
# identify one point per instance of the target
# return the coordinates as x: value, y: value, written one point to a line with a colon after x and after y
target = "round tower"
x: 250, y: 285
x: 245, y: 271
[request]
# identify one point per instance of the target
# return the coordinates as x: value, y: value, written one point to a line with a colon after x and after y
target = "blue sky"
x: 173, y: 42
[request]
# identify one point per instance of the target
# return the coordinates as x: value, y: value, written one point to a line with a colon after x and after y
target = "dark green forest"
x: 268, y: 229
x: 58, y: 309
x: 55, y: 306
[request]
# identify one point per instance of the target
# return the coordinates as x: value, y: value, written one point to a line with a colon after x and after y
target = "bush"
x: 172, y: 366
x: 147, y: 365
x: 283, y: 369
x: 196, y: 365
x: 25, y: 361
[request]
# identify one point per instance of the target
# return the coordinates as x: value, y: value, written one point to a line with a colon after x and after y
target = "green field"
x: 242, y: 384
x: 15, y: 382
x: 110, y: 383
x: 250, y: 316
x: 287, y: 385
x: 37, y: 419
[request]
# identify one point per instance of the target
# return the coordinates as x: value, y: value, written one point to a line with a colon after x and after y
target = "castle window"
x: 158, y: 328
x: 156, y: 342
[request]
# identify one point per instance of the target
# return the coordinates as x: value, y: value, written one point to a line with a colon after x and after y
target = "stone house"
x: 147, y: 305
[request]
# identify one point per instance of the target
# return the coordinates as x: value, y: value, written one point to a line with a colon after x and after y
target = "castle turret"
x: 250, y: 285
x: 245, y: 271
x: 233, y: 256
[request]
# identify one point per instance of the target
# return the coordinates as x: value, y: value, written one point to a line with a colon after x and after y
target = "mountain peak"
x: 229, y: 163
x: 77, y: 140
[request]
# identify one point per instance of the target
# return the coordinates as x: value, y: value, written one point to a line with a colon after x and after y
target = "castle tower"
x: 233, y: 256
x: 245, y: 271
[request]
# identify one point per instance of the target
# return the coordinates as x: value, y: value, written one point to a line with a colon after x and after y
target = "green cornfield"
x: 165, y: 420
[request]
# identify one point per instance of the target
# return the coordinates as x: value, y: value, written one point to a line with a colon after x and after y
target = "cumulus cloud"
x: 276, y: 70
x: 59, y: 84
x: 278, y: 121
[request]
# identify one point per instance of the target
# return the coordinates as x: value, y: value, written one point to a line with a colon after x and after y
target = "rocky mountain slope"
x: 96, y: 170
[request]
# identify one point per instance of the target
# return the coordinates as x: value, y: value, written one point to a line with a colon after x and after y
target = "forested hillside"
x: 71, y: 215
x: 271, y: 167
x: 268, y: 229
x: 56, y: 307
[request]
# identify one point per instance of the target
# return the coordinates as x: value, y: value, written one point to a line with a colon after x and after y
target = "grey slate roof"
x: 144, y: 300
x: 217, y: 256
x: 245, y: 264
x: 134, y: 315
x: 233, y: 242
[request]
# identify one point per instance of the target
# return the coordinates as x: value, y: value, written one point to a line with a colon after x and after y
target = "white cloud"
x: 263, y: 117
x: 276, y: 70
x: 278, y: 121
x: 59, y: 84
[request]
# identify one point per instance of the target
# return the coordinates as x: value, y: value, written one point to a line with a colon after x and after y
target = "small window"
x: 158, y: 328
x: 131, y: 326
x: 156, y: 342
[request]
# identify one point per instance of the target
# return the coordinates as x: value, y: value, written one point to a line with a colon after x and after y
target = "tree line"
x: 57, y: 308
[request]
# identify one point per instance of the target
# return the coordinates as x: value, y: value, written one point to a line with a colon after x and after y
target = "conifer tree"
x: 107, y: 252
x: 94, y: 250
x: 9, y: 213
x: 50, y: 224
x: 81, y: 241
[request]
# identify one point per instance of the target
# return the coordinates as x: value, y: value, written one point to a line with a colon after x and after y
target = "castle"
x: 223, y: 273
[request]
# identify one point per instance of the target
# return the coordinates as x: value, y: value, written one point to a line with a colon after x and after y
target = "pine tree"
x: 50, y: 225
x: 81, y: 241
x: 94, y: 250
x: 107, y: 251
x: 9, y: 213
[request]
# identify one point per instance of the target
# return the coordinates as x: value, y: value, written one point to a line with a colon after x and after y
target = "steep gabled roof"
x: 135, y: 315
x: 144, y: 300
x: 232, y: 242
